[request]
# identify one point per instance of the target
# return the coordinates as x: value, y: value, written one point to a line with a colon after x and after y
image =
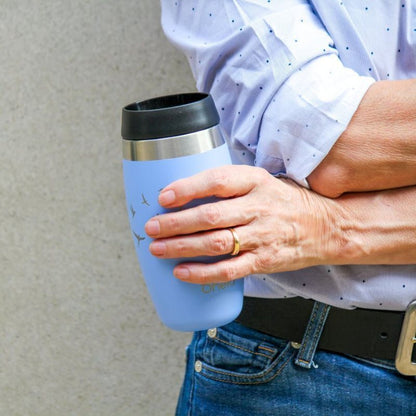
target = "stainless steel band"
x: 172, y: 147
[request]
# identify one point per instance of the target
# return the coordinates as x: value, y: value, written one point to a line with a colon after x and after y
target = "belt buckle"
x: 407, y: 341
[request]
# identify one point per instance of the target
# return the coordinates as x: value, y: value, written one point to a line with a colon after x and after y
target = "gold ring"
x: 236, y: 249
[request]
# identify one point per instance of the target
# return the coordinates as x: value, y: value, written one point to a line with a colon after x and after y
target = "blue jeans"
x: 235, y: 370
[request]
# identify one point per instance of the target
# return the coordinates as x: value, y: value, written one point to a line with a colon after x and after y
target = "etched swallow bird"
x: 139, y: 238
x: 144, y: 201
x: 133, y: 212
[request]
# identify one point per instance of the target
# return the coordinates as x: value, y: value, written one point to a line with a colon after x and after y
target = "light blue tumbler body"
x: 150, y: 164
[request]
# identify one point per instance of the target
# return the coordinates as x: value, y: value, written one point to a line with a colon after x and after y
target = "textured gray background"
x: 78, y: 334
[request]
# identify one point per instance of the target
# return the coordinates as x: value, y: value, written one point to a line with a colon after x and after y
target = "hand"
x: 281, y: 226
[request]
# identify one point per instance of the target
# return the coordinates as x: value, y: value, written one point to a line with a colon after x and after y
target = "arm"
x: 295, y: 107
x: 377, y: 227
x: 283, y: 100
x: 378, y: 148
x: 281, y: 225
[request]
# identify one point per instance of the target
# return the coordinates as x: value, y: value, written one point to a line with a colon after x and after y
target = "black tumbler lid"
x: 168, y: 116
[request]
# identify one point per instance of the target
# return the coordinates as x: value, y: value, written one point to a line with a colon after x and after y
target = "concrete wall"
x: 78, y: 334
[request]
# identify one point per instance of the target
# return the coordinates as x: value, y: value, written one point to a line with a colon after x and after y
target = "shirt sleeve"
x: 283, y: 95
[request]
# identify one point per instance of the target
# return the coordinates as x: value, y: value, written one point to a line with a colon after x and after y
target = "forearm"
x: 378, y: 148
x: 375, y: 227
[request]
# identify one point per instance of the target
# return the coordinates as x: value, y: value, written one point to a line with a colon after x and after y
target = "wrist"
x: 348, y: 246
x: 327, y: 226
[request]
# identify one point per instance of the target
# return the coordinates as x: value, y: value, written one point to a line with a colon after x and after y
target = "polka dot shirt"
x: 287, y: 76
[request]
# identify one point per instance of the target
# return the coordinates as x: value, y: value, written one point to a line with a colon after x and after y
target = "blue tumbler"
x: 165, y: 139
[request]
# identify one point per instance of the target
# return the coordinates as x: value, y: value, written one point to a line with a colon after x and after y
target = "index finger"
x: 223, y: 182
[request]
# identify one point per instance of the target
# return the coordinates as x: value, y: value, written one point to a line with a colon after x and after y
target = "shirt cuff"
x: 306, y: 117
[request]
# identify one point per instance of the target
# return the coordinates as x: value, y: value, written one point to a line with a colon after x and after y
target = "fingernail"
x: 181, y: 273
x: 167, y: 197
x: 157, y: 248
x: 152, y: 228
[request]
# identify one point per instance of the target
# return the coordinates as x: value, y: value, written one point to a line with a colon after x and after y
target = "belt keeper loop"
x: 312, y: 335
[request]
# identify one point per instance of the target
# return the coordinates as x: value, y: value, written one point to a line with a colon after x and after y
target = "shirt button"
x: 198, y: 366
x: 212, y: 333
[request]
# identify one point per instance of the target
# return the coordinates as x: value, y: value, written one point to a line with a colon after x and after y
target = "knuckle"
x: 219, y: 180
x: 217, y: 244
x: 173, y: 224
x: 229, y: 273
x: 263, y: 263
x: 181, y: 248
x: 211, y: 215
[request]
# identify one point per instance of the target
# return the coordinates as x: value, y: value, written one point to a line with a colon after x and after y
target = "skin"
x: 360, y: 209
x: 378, y: 149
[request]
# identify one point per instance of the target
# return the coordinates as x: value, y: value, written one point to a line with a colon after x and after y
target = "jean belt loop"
x: 312, y: 335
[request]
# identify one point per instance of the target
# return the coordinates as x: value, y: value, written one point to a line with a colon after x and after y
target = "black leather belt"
x: 361, y: 332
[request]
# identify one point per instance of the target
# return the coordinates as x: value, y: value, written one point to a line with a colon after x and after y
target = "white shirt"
x: 286, y: 77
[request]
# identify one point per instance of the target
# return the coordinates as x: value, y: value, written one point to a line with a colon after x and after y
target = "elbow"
x: 330, y: 181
